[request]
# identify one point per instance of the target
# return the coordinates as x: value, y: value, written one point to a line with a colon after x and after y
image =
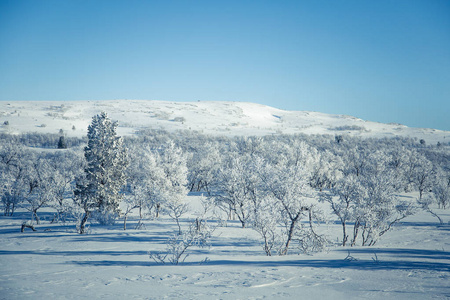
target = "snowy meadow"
x: 354, y: 214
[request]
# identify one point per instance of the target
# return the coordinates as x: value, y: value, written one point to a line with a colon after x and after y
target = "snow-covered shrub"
x: 156, y: 181
x: 235, y: 189
x: 367, y: 195
x: 266, y: 223
x: 349, y: 128
x: 285, y: 181
x: 14, y: 168
x: 203, y: 164
x: 66, y: 166
x: 441, y: 189
x: 380, y: 207
x: 105, y: 217
x: 343, y: 198
x: 172, y: 185
x: 425, y: 204
x: 198, y: 235
x: 144, y: 176
x: 175, y: 209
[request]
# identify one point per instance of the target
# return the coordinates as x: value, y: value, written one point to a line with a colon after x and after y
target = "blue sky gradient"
x: 386, y: 61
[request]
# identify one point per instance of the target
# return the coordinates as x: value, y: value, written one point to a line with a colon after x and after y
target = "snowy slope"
x: 224, y: 118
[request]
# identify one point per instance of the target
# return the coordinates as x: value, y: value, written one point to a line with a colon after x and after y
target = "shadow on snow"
x: 421, y: 262
x: 331, y: 264
x: 71, y: 253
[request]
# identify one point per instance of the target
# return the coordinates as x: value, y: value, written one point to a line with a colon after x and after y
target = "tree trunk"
x: 125, y: 222
x: 179, y: 227
x: 38, y: 221
x: 83, y: 223
x: 355, y: 232
x: 158, y: 207
x: 345, y: 236
x: 290, y: 234
x: 7, y: 209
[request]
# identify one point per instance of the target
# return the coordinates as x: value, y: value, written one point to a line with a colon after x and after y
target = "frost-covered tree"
x: 157, y: 181
x: 143, y: 176
x: 266, y: 221
x: 326, y: 171
x: 356, y: 161
x: 203, y: 164
x: 411, y: 162
x: 236, y: 187
x: 366, y: 197
x: 15, y: 168
x: 424, y: 175
x: 380, y: 208
x: 343, y: 199
x: 286, y: 182
x: 42, y: 189
x: 441, y: 190
x: 440, y: 194
x: 397, y: 163
x: 106, y: 161
x: 172, y: 189
x: 65, y: 166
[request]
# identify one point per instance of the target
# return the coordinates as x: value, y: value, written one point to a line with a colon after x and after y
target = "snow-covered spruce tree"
x: 99, y: 191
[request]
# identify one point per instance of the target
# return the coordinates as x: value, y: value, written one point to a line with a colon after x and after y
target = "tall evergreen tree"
x: 106, y: 160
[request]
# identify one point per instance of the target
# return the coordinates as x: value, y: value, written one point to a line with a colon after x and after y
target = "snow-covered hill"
x: 217, y: 118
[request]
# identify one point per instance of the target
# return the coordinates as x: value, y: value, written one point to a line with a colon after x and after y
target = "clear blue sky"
x: 386, y: 61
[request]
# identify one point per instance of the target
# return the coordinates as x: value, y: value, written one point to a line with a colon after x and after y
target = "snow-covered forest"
x: 190, y: 194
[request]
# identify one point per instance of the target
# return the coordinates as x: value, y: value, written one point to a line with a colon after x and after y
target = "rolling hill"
x: 209, y: 117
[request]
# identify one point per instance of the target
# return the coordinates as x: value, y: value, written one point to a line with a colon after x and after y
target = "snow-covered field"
x: 410, y: 262
x: 224, y: 118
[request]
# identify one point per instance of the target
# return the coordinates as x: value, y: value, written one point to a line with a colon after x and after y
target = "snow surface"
x: 224, y: 118
x: 410, y: 262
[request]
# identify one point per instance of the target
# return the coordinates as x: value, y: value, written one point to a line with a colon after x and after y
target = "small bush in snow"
x: 199, y: 235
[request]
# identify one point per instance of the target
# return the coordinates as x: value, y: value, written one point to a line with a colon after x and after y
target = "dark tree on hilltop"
x: 62, y: 143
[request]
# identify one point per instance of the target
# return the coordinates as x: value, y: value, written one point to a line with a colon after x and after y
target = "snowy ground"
x: 410, y: 262
x: 208, y: 117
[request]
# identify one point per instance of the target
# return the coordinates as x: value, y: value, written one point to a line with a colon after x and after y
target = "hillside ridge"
x: 208, y: 117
